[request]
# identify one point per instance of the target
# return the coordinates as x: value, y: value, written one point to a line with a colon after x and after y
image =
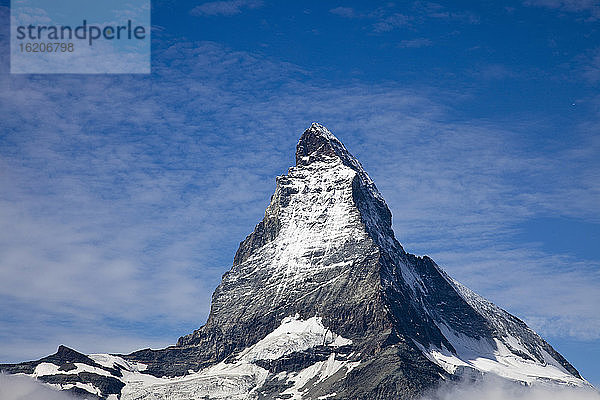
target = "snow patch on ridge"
x: 110, y: 361
x: 493, y: 356
x: 241, y: 378
x: 293, y: 335
x: 317, y: 373
x: 44, y: 369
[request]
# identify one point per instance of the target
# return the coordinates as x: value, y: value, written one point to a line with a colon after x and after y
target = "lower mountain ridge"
x: 322, y: 302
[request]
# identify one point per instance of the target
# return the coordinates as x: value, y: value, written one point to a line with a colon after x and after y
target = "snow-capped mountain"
x: 322, y: 302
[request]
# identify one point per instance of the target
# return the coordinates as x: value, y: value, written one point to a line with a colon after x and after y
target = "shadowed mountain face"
x: 322, y: 300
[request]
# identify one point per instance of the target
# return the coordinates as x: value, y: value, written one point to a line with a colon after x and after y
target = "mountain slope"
x: 322, y: 300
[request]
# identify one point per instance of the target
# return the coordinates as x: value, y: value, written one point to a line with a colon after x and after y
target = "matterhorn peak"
x: 322, y: 301
x: 318, y: 143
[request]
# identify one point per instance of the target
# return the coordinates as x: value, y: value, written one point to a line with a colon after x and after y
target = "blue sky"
x: 124, y: 197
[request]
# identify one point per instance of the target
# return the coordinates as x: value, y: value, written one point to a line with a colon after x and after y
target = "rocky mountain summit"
x: 322, y: 302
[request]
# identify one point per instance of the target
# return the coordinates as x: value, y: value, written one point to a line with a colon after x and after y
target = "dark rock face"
x: 65, y: 358
x: 326, y: 249
x: 107, y: 385
x: 299, y: 360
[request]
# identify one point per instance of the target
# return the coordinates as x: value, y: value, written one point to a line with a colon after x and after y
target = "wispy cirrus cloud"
x: 389, y: 17
x: 345, y: 12
x: 493, y: 72
x: 391, y: 22
x: 572, y: 6
x: 225, y: 8
x: 380, y: 19
x: 460, y: 16
x: 415, y: 43
x: 590, y: 67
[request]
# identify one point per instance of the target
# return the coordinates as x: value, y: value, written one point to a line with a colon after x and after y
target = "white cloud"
x: 14, y: 387
x: 227, y: 8
x: 415, y: 43
x: 591, y: 66
x: 575, y: 6
x: 391, y: 22
x: 346, y: 12
x: 494, y: 71
x: 390, y: 17
x: 491, y: 389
